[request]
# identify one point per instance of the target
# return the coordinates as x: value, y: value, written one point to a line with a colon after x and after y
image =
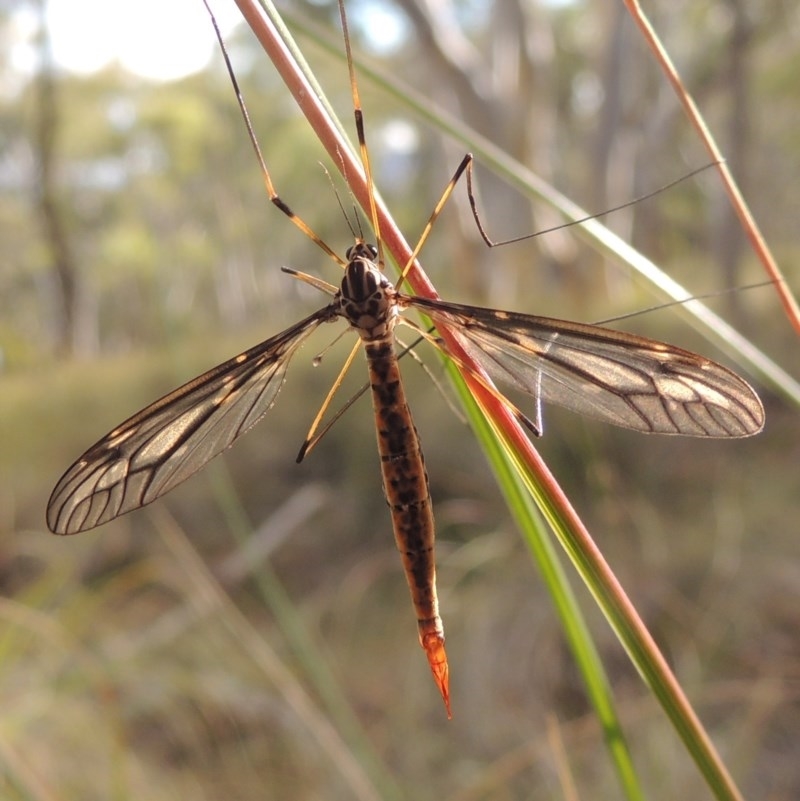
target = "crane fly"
x: 616, y: 377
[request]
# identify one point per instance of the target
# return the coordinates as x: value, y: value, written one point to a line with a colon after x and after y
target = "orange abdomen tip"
x: 433, y: 643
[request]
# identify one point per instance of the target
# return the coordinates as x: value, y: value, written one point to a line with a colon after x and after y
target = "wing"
x: 613, y: 376
x: 160, y: 446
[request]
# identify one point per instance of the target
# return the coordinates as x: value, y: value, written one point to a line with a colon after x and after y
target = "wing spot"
x: 118, y: 436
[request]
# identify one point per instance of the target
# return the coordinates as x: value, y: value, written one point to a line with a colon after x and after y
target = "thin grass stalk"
x: 23, y: 777
x: 616, y: 606
x: 309, y: 657
x: 709, y: 324
x: 749, y: 225
x: 536, y: 535
x: 211, y: 593
x: 526, y: 462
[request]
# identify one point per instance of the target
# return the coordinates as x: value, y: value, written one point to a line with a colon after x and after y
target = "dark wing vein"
x: 162, y: 445
x: 613, y: 376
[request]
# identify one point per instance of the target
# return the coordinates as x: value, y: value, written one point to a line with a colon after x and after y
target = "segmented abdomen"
x: 405, y: 484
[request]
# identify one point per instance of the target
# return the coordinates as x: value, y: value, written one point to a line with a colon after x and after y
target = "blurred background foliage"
x: 138, y: 248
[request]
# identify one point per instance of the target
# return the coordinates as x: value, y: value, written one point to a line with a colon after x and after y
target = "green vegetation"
x: 156, y: 659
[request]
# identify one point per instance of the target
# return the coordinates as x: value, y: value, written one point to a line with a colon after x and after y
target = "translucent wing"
x: 160, y: 446
x: 613, y: 376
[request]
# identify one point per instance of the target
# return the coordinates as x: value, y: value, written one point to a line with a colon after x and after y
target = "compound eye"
x: 361, y: 250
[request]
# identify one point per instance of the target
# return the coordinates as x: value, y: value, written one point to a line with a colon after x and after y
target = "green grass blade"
x: 511, y: 451
x: 536, y: 536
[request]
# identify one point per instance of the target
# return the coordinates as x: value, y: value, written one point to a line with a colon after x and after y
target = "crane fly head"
x: 367, y: 297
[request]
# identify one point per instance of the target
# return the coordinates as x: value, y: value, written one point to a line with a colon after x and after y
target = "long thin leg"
x: 273, y: 195
x: 310, y: 439
x: 362, y: 138
x: 466, y: 164
x: 493, y: 244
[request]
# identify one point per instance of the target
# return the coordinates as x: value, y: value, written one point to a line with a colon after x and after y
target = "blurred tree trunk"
x: 493, y: 88
x: 48, y: 203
